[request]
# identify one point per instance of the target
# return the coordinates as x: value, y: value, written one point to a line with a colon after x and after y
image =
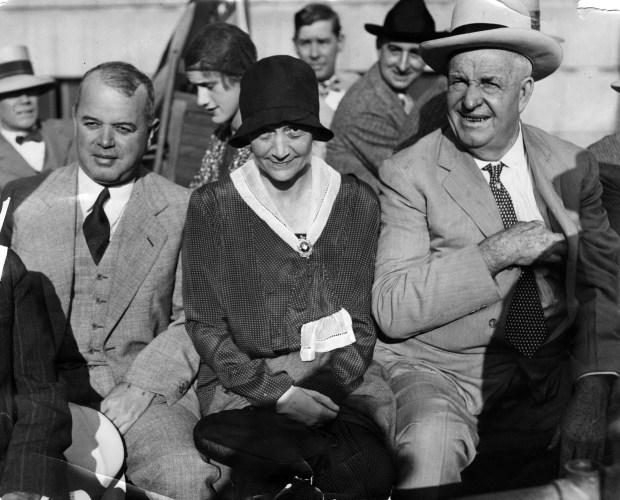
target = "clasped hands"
x: 523, y: 244
x: 307, y: 406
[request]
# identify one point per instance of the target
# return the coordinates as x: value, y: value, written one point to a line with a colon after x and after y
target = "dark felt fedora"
x: 276, y: 90
x: 408, y: 21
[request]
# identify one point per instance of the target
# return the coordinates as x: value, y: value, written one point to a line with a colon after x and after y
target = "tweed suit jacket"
x: 146, y: 282
x: 35, y: 425
x: 59, y: 151
x: 607, y: 153
x: 366, y: 128
x: 433, y: 295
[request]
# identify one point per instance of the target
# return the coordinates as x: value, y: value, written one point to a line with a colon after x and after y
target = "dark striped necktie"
x: 525, y: 329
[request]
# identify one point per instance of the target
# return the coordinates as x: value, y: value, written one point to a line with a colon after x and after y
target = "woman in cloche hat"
x: 278, y: 264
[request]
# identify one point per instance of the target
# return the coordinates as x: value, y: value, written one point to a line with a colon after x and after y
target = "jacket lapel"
x: 547, y: 181
x: 58, y: 201
x: 13, y: 164
x: 141, y: 240
x: 468, y: 187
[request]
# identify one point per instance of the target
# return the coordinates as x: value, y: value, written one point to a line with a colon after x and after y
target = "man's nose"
x: 473, y: 96
x: 106, y: 137
x: 314, y: 50
x: 403, y: 62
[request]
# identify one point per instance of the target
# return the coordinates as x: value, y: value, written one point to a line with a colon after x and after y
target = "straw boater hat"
x: 16, y: 70
x: 408, y: 21
x: 275, y: 90
x: 494, y: 24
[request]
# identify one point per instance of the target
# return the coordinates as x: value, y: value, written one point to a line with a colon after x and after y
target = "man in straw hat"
x: 28, y: 145
x: 495, y: 278
x: 370, y: 117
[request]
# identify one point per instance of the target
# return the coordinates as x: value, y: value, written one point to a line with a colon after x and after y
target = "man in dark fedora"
x: 369, y: 119
x: 28, y: 145
x: 496, y: 276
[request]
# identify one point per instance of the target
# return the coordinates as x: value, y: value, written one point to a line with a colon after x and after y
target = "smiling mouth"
x: 474, y: 119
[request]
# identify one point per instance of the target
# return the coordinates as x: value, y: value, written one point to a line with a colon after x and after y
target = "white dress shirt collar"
x: 32, y: 152
x: 88, y: 191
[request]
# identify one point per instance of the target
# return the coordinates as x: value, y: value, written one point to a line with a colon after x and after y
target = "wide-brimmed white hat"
x: 16, y: 70
x: 494, y: 24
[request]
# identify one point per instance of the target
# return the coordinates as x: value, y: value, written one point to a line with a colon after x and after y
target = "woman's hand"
x: 306, y: 406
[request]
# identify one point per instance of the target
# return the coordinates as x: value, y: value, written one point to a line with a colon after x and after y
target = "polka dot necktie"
x: 96, y: 227
x: 525, y: 329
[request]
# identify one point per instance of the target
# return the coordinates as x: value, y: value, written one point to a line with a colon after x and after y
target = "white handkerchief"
x: 326, y: 334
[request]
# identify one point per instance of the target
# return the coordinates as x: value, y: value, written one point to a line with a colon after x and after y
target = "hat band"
x: 475, y: 28
x: 13, y: 68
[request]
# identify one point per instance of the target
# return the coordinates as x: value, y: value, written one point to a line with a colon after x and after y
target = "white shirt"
x: 89, y: 190
x: 516, y: 177
x: 33, y: 152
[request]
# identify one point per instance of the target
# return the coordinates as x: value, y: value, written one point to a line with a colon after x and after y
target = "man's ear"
x: 153, y: 131
x: 525, y: 92
x: 340, y: 42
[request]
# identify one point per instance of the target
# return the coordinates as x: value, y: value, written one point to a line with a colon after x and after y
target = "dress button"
x: 492, y: 322
x: 99, y: 276
x: 91, y: 351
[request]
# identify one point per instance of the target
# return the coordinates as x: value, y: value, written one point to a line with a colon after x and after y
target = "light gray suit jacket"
x: 433, y: 295
x: 59, y: 150
x: 146, y: 283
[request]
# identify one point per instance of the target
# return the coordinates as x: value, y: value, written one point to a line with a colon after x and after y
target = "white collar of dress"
x: 325, y: 187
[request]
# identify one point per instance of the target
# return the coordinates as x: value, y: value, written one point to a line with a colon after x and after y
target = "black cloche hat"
x: 408, y: 21
x: 275, y: 90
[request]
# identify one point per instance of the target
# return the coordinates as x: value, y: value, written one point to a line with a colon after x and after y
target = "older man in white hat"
x: 495, y: 280
x: 28, y: 145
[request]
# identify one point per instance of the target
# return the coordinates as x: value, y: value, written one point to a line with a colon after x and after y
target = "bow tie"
x: 34, y: 136
x: 327, y: 86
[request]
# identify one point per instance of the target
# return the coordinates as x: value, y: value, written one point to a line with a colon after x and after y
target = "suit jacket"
x: 146, y: 283
x: 59, y: 150
x: 366, y: 128
x: 607, y: 153
x: 433, y: 294
x: 35, y: 424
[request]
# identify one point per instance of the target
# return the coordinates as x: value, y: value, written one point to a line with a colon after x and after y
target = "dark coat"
x: 35, y: 424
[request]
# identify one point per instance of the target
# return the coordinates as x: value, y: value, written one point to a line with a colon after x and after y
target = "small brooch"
x: 304, y: 248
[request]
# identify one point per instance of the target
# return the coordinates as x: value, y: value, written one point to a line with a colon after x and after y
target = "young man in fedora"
x: 495, y: 282
x: 28, y: 145
x: 368, y: 122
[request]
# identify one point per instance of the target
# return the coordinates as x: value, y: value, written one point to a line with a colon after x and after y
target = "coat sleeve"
x: 42, y: 431
x: 207, y: 318
x: 415, y: 289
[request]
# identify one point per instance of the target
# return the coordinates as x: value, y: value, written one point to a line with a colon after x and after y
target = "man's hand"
x: 523, y: 244
x: 306, y: 406
x: 20, y: 495
x: 124, y: 404
x: 584, y: 423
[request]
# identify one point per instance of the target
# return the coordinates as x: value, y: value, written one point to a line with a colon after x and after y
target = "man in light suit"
x: 105, y: 234
x: 28, y: 145
x: 496, y: 279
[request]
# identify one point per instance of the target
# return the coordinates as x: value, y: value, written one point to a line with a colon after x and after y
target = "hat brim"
x: 403, y: 36
x: 253, y: 124
x: 616, y: 85
x: 23, y: 82
x: 544, y: 52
